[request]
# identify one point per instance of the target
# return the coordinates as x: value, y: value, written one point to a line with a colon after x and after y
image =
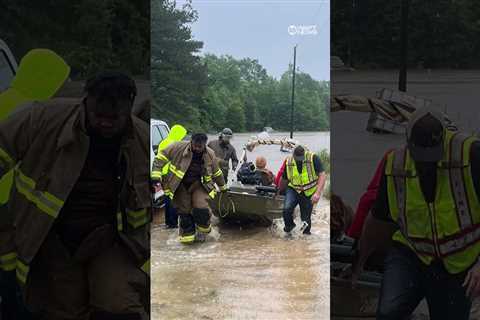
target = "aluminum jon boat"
x: 251, y: 202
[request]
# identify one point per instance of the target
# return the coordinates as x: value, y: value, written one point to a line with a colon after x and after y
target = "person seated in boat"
x: 264, y: 176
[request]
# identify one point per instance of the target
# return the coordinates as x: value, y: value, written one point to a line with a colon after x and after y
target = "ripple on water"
x: 252, y: 273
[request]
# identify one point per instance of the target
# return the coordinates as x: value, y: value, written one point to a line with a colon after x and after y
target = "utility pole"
x: 402, y: 79
x: 350, y: 34
x: 293, y: 90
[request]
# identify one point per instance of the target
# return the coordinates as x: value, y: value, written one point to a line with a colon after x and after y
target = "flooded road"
x: 246, y: 272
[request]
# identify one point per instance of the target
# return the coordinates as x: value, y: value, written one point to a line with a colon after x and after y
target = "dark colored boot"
x: 187, y: 228
x: 201, y: 217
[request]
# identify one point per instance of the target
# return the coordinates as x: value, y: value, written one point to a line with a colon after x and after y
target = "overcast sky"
x: 263, y: 30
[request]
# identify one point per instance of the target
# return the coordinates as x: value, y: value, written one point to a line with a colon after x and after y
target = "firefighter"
x: 39, y: 76
x: 177, y: 133
x: 192, y: 175
x: 78, y: 240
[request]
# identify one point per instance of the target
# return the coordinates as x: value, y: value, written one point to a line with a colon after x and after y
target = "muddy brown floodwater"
x: 246, y: 272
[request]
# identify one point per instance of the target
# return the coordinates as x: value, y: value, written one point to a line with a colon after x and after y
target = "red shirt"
x: 280, y: 173
x: 366, y: 201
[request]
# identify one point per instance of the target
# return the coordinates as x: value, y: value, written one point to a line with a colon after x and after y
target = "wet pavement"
x: 246, y: 272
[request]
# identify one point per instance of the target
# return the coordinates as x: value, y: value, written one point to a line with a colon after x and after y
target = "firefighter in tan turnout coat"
x: 76, y: 235
x: 190, y: 181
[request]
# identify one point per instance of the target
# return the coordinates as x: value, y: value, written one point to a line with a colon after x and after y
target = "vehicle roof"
x: 6, y: 49
x: 158, y: 122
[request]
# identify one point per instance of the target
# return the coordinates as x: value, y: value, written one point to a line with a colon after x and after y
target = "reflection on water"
x: 245, y: 272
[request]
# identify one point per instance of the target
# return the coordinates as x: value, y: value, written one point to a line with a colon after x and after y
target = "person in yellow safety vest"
x: 430, y: 192
x: 79, y: 235
x: 303, y: 181
x: 193, y: 175
x: 176, y: 134
x: 39, y: 76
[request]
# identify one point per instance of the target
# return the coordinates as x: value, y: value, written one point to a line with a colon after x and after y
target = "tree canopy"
x: 90, y: 35
x: 442, y: 33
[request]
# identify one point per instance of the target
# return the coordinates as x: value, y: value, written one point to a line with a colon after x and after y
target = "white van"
x: 8, y: 66
x: 159, y: 130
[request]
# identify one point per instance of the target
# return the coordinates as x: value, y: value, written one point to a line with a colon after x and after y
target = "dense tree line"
x: 442, y: 33
x: 212, y: 92
x: 90, y: 35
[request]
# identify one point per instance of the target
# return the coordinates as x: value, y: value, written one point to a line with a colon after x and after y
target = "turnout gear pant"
x: 187, y: 228
x: 186, y: 199
x: 192, y: 205
x: 406, y: 281
x: 171, y: 216
x: 201, y: 217
x: 60, y: 287
x: 292, y: 199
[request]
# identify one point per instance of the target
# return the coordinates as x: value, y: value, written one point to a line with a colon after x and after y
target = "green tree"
x: 89, y: 35
x: 442, y: 33
x: 236, y: 117
x: 212, y: 92
x: 178, y: 79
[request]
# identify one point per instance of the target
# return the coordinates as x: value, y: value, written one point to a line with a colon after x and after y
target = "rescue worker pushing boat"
x: 430, y: 191
x: 303, y: 181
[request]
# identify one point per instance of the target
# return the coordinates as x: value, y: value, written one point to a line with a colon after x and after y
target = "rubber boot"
x: 201, y: 216
x: 187, y: 228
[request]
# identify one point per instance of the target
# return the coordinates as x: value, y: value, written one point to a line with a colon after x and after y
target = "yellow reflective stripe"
x: 8, y: 262
x: 217, y: 173
x: 212, y: 194
x: 290, y: 169
x: 165, y: 169
x: 187, y: 239
x: 45, y: 201
x: 224, y: 187
x: 137, y: 218
x: 137, y: 213
x: 314, y: 175
x: 162, y: 157
x: 146, y: 267
x: 22, y: 272
x: 179, y: 173
x: 169, y: 193
x: 156, y: 175
x: 6, y: 161
x: 207, y: 179
x: 137, y: 223
x: 204, y: 229
x: 50, y: 197
x: 119, y: 221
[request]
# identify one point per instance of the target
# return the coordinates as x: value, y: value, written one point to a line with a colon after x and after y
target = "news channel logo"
x: 300, y: 30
